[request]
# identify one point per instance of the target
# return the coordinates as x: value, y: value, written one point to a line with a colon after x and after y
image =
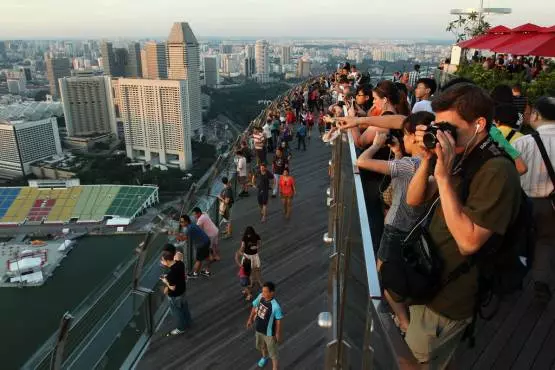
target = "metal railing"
x: 111, y: 328
x: 362, y: 332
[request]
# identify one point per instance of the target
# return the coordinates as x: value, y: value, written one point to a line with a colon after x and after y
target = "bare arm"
x: 367, y: 162
x: 278, y: 330
x: 251, y: 317
x: 521, y: 166
x: 422, y: 187
x: 239, y: 253
x: 394, y: 121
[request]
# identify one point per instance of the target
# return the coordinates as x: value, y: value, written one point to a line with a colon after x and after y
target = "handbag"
x: 416, y: 277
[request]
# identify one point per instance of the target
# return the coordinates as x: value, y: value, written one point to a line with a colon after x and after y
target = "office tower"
x: 121, y: 60
x: 56, y: 68
x: 108, y: 61
x: 25, y: 142
x: 226, y: 49
x: 231, y: 63
x: 133, y: 67
x: 303, y: 68
x: 155, y: 59
x: 249, y: 64
x: 262, y: 61
x: 211, y: 71
x: 156, y: 121
x: 184, y: 64
x: 16, y: 82
x: 285, y: 56
x: 88, y: 105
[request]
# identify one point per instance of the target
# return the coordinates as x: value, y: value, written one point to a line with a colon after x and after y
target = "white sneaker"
x: 175, y: 332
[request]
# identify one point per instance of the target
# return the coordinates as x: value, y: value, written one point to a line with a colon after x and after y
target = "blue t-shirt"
x: 196, y: 235
x: 266, y: 315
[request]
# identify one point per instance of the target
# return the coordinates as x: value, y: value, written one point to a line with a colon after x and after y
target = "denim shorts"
x: 390, y: 244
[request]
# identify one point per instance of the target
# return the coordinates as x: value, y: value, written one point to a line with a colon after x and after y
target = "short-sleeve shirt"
x: 423, y: 106
x: 400, y: 214
x: 286, y: 185
x: 506, y: 130
x: 258, y: 138
x: 280, y: 164
x: 251, y: 244
x: 206, y: 225
x: 499, y: 138
x: 263, y: 181
x: 267, y: 313
x: 176, y: 277
x: 242, y: 166
x: 196, y: 235
x: 493, y: 203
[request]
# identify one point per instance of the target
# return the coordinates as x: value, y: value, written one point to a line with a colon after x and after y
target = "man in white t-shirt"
x: 242, y: 173
x: 425, y: 88
x: 207, y: 225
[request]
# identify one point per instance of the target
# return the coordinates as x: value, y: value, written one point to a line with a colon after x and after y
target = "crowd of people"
x: 457, y: 175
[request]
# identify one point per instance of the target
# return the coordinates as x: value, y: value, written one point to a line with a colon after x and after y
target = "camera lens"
x: 429, y: 140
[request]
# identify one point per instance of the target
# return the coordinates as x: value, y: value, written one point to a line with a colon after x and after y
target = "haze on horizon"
x: 406, y: 19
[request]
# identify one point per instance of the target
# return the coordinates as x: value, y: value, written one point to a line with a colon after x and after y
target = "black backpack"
x: 503, y: 261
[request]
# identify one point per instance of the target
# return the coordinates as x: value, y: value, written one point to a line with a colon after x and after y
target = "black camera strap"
x: 545, y: 158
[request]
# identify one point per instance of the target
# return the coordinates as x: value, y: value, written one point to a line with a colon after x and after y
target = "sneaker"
x: 175, y: 332
x: 262, y: 362
x: 192, y: 275
x: 206, y: 273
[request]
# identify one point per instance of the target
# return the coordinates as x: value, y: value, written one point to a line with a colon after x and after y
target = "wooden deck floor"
x: 520, y: 336
x: 293, y: 256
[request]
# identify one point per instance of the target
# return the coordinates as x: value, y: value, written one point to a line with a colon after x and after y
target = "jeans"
x: 179, y: 308
x: 301, y: 141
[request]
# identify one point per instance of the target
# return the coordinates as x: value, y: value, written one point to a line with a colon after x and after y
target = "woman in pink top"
x: 206, y: 224
x: 287, y: 191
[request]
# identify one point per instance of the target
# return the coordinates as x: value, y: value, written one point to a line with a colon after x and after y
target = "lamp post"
x: 481, y: 11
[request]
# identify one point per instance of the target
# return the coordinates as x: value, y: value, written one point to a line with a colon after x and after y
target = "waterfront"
x: 28, y: 316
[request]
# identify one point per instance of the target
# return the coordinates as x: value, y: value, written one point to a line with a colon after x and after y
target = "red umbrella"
x: 492, y: 34
x: 518, y: 34
x: 540, y: 44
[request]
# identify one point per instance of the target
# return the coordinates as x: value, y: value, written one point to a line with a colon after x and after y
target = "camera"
x: 394, y: 133
x: 430, y: 136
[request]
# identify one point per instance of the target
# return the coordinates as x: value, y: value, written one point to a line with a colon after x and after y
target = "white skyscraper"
x: 156, y: 121
x: 211, y: 71
x: 88, y: 105
x: 184, y: 64
x: 262, y: 61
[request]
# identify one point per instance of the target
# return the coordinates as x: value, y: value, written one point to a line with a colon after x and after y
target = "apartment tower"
x: 262, y: 61
x: 156, y: 121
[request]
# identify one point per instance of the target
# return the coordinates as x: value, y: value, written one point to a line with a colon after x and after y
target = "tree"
x: 468, y: 26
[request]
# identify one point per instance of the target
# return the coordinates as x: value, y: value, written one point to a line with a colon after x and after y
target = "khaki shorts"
x: 268, y: 343
x: 255, y: 260
x: 433, y: 338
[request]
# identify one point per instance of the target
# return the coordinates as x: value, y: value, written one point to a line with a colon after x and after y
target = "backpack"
x: 500, y: 265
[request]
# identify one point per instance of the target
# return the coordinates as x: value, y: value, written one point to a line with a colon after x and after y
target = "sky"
x: 372, y: 19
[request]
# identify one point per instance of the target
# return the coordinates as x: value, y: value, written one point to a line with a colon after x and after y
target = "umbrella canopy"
x: 492, y: 34
x: 540, y: 44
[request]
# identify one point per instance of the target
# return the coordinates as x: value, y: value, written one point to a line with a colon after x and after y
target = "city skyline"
x: 246, y: 18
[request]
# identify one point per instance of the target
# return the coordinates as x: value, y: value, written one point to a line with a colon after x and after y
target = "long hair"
x: 249, y: 232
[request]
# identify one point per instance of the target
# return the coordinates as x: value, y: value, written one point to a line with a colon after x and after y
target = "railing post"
x: 58, y: 353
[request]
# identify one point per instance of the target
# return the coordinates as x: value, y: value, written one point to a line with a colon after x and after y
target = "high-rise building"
x: 2, y: 50
x: 303, y: 68
x: 285, y: 55
x: 211, y: 71
x: 156, y: 121
x: 262, y: 61
x: 121, y: 60
x: 184, y: 64
x: 56, y: 68
x: 155, y: 64
x: 108, y: 59
x: 249, y: 64
x: 16, y: 81
x: 226, y: 49
x: 25, y: 142
x: 133, y: 67
x: 88, y: 105
x: 231, y: 64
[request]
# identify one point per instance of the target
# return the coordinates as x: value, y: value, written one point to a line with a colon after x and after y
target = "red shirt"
x: 290, y: 117
x: 286, y: 185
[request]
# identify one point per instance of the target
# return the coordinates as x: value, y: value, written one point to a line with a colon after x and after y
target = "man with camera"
x: 471, y: 212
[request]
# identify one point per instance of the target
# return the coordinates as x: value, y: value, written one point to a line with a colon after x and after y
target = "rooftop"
x: 31, y: 111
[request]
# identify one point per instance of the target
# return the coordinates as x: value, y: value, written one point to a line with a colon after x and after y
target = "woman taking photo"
x: 287, y: 191
x: 401, y: 217
x: 250, y: 247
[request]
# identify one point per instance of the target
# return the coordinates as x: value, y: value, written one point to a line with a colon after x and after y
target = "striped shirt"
x: 536, y: 182
x: 258, y: 138
x: 400, y: 214
x: 413, y: 77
